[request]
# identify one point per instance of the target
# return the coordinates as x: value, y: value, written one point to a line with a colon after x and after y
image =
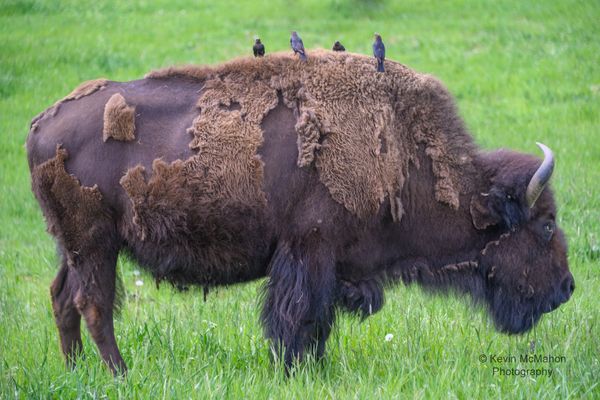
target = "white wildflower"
x: 210, y: 324
x: 139, y: 282
x: 136, y: 272
x: 389, y: 337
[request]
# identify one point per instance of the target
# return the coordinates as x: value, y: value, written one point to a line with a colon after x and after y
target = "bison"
x: 327, y: 177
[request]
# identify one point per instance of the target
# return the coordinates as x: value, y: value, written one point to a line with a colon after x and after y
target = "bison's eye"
x: 548, y: 230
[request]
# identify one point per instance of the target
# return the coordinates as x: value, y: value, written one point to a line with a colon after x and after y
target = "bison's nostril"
x: 568, y: 286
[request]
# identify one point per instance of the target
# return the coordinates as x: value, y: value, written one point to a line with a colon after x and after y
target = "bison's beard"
x: 514, y: 315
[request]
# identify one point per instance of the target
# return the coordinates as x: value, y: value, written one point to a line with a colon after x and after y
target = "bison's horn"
x: 541, y: 177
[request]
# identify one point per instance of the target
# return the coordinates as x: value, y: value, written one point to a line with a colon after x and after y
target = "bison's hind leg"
x: 95, y: 302
x: 67, y: 317
x: 86, y: 232
x: 86, y: 286
x: 298, y: 310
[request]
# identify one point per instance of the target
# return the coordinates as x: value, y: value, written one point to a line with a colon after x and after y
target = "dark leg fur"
x: 68, y: 319
x: 95, y: 299
x: 298, y: 310
x: 86, y: 286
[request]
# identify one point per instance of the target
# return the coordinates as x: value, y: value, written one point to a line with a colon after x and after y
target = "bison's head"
x: 524, y: 265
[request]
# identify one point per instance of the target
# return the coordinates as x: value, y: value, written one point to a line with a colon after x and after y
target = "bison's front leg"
x: 298, y: 311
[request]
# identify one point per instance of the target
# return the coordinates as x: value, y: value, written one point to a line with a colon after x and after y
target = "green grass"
x: 520, y: 72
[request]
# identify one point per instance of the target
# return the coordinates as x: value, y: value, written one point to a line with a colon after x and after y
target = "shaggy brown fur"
x: 119, y: 119
x: 70, y: 205
x: 225, y: 176
x: 335, y: 94
x: 182, y: 196
x: 84, y: 89
x: 227, y: 140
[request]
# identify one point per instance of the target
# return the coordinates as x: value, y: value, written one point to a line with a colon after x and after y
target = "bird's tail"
x: 302, y: 56
x: 380, y: 66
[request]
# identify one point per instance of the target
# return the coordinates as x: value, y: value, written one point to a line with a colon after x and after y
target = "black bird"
x: 337, y: 46
x: 298, y: 46
x: 379, y: 52
x: 258, y: 48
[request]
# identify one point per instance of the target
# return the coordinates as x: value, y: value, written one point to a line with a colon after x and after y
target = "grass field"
x: 520, y: 72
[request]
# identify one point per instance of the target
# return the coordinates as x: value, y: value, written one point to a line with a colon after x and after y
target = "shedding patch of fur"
x: 226, y: 170
x: 68, y: 207
x: 84, y: 89
x: 309, y: 128
x: 360, y: 129
x: 223, y: 178
x: 227, y: 139
x: 169, y: 206
x: 157, y: 209
x: 119, y: 119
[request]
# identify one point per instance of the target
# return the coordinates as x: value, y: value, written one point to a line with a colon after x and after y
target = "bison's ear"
x: 498, y: 207
x: 482, y: 214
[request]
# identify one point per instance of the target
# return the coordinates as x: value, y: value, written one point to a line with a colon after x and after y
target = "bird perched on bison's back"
x: 379, y: 52
x: 337, y: 46
x: 298, y: 46
x: 258, y: 48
